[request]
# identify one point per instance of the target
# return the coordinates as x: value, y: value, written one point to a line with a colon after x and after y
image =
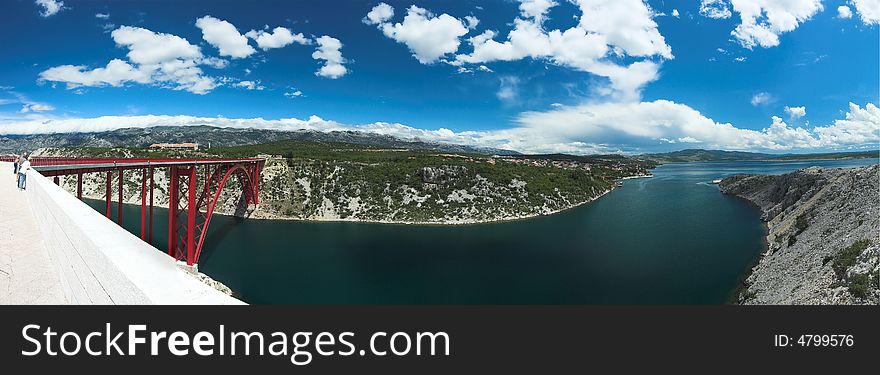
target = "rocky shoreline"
x: 822, y: 242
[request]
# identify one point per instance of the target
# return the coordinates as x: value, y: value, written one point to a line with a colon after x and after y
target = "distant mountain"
x: 221, y: 137
x: 693, y: 155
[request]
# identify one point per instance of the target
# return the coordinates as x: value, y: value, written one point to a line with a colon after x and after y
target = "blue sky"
x: 715, y: 74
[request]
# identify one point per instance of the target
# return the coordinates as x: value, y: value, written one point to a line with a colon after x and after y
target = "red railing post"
x: 109, y: 196
x: 143, y: 204
x: 172, y: 213
x: 191, y: 217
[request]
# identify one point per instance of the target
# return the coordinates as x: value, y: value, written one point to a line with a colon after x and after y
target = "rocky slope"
x: 823, y: 228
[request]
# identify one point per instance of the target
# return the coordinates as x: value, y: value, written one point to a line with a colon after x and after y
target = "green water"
x: 671, y: 239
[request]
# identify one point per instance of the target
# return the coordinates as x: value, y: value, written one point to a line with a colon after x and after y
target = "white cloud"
x: 717, y: 9
x: 225, y: 37
x: 861, y: 126
x: 795, y: 113
x: 675, y: 13
x: 36, y: 107
x: 762, y: 21
x: 843, y: 11
x: 428, y: 37
x: 869, y: 11
x: 508, y: 90
x: 102, y: 16
x: 278, y: 38
x: 329, y: 50
x: 50, y: 7
x: 116, y: 73
x: 154, y: 58
x: 536, y: 9
x: 379, y: 14
x: 472, y: 22
x: 250, y: 85
x: 586, y: 128
x: 293, y: 94
x: 761, y: 98
x: 605, y: 29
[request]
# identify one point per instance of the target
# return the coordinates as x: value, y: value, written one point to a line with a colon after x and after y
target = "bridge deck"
x: 27, y: 275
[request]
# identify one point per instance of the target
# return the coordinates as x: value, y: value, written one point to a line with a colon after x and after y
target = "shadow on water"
x: 217, y: 234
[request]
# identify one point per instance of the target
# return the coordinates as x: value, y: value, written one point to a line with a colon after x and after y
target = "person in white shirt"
x: 23, y: 168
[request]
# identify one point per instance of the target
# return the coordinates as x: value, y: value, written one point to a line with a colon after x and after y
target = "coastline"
x: 614, y: 185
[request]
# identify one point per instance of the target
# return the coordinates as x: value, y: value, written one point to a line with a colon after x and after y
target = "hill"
x: 697, y: 155
x: 209, y: 136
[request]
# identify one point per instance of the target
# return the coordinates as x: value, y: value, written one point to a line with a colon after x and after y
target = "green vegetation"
x: 860, y: 285
x: 322, y: 179
x: 847, y: 257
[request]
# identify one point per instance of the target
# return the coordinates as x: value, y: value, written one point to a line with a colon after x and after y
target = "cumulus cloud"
x: 116, y: 73
x: 379, y: 14
x: 329, y: 50
x: 844, y: 12
x: 225, y: 37
x: 153, y: 58
x: 762, y: 21
x: 102, y: 16
x: 795, y: 113
x: 50, y: 7
x: 675, y: 13
x: 606, y: 30
x: 293, y: 94
x: 717, y: 9
x: 869, y: 11
x: 278, y: 38
x: 761, y: 98
x: 250, y: 85
x: 429, y: 37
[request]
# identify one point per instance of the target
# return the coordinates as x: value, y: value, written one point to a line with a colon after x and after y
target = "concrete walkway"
x: 27, y: 275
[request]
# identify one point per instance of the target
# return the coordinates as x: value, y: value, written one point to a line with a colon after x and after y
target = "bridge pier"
x: 109, y: 191
x: 79, y: 186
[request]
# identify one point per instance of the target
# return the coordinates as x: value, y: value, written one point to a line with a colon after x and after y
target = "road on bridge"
x: 27, y: 274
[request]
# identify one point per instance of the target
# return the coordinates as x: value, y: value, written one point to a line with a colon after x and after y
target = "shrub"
x: 847, y: 257
x: 860, y: 285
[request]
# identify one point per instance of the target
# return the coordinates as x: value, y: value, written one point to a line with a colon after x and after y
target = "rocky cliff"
x: 437, y: 190
x: 823, y: 227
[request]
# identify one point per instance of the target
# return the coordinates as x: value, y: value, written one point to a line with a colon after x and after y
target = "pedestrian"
x: 23, y: 168
x: 15, y: 165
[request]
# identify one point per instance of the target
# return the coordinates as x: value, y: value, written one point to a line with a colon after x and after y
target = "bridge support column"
x: 57, y: 180
x: 109, y: 197
x: 192, y: 207
x: 119, y: 205
x: 79, y: 186
x: 151, y: 206
x: 172, y: 213
x: 143, y: 205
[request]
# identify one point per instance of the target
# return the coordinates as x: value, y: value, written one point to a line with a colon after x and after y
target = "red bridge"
x: 194, y: 189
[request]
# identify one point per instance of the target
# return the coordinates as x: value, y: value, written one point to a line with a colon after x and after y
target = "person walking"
x: 23, y: 168
x: 15, y: 165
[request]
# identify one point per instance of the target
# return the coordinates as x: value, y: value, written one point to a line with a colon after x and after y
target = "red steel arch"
x: 187, y: 235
